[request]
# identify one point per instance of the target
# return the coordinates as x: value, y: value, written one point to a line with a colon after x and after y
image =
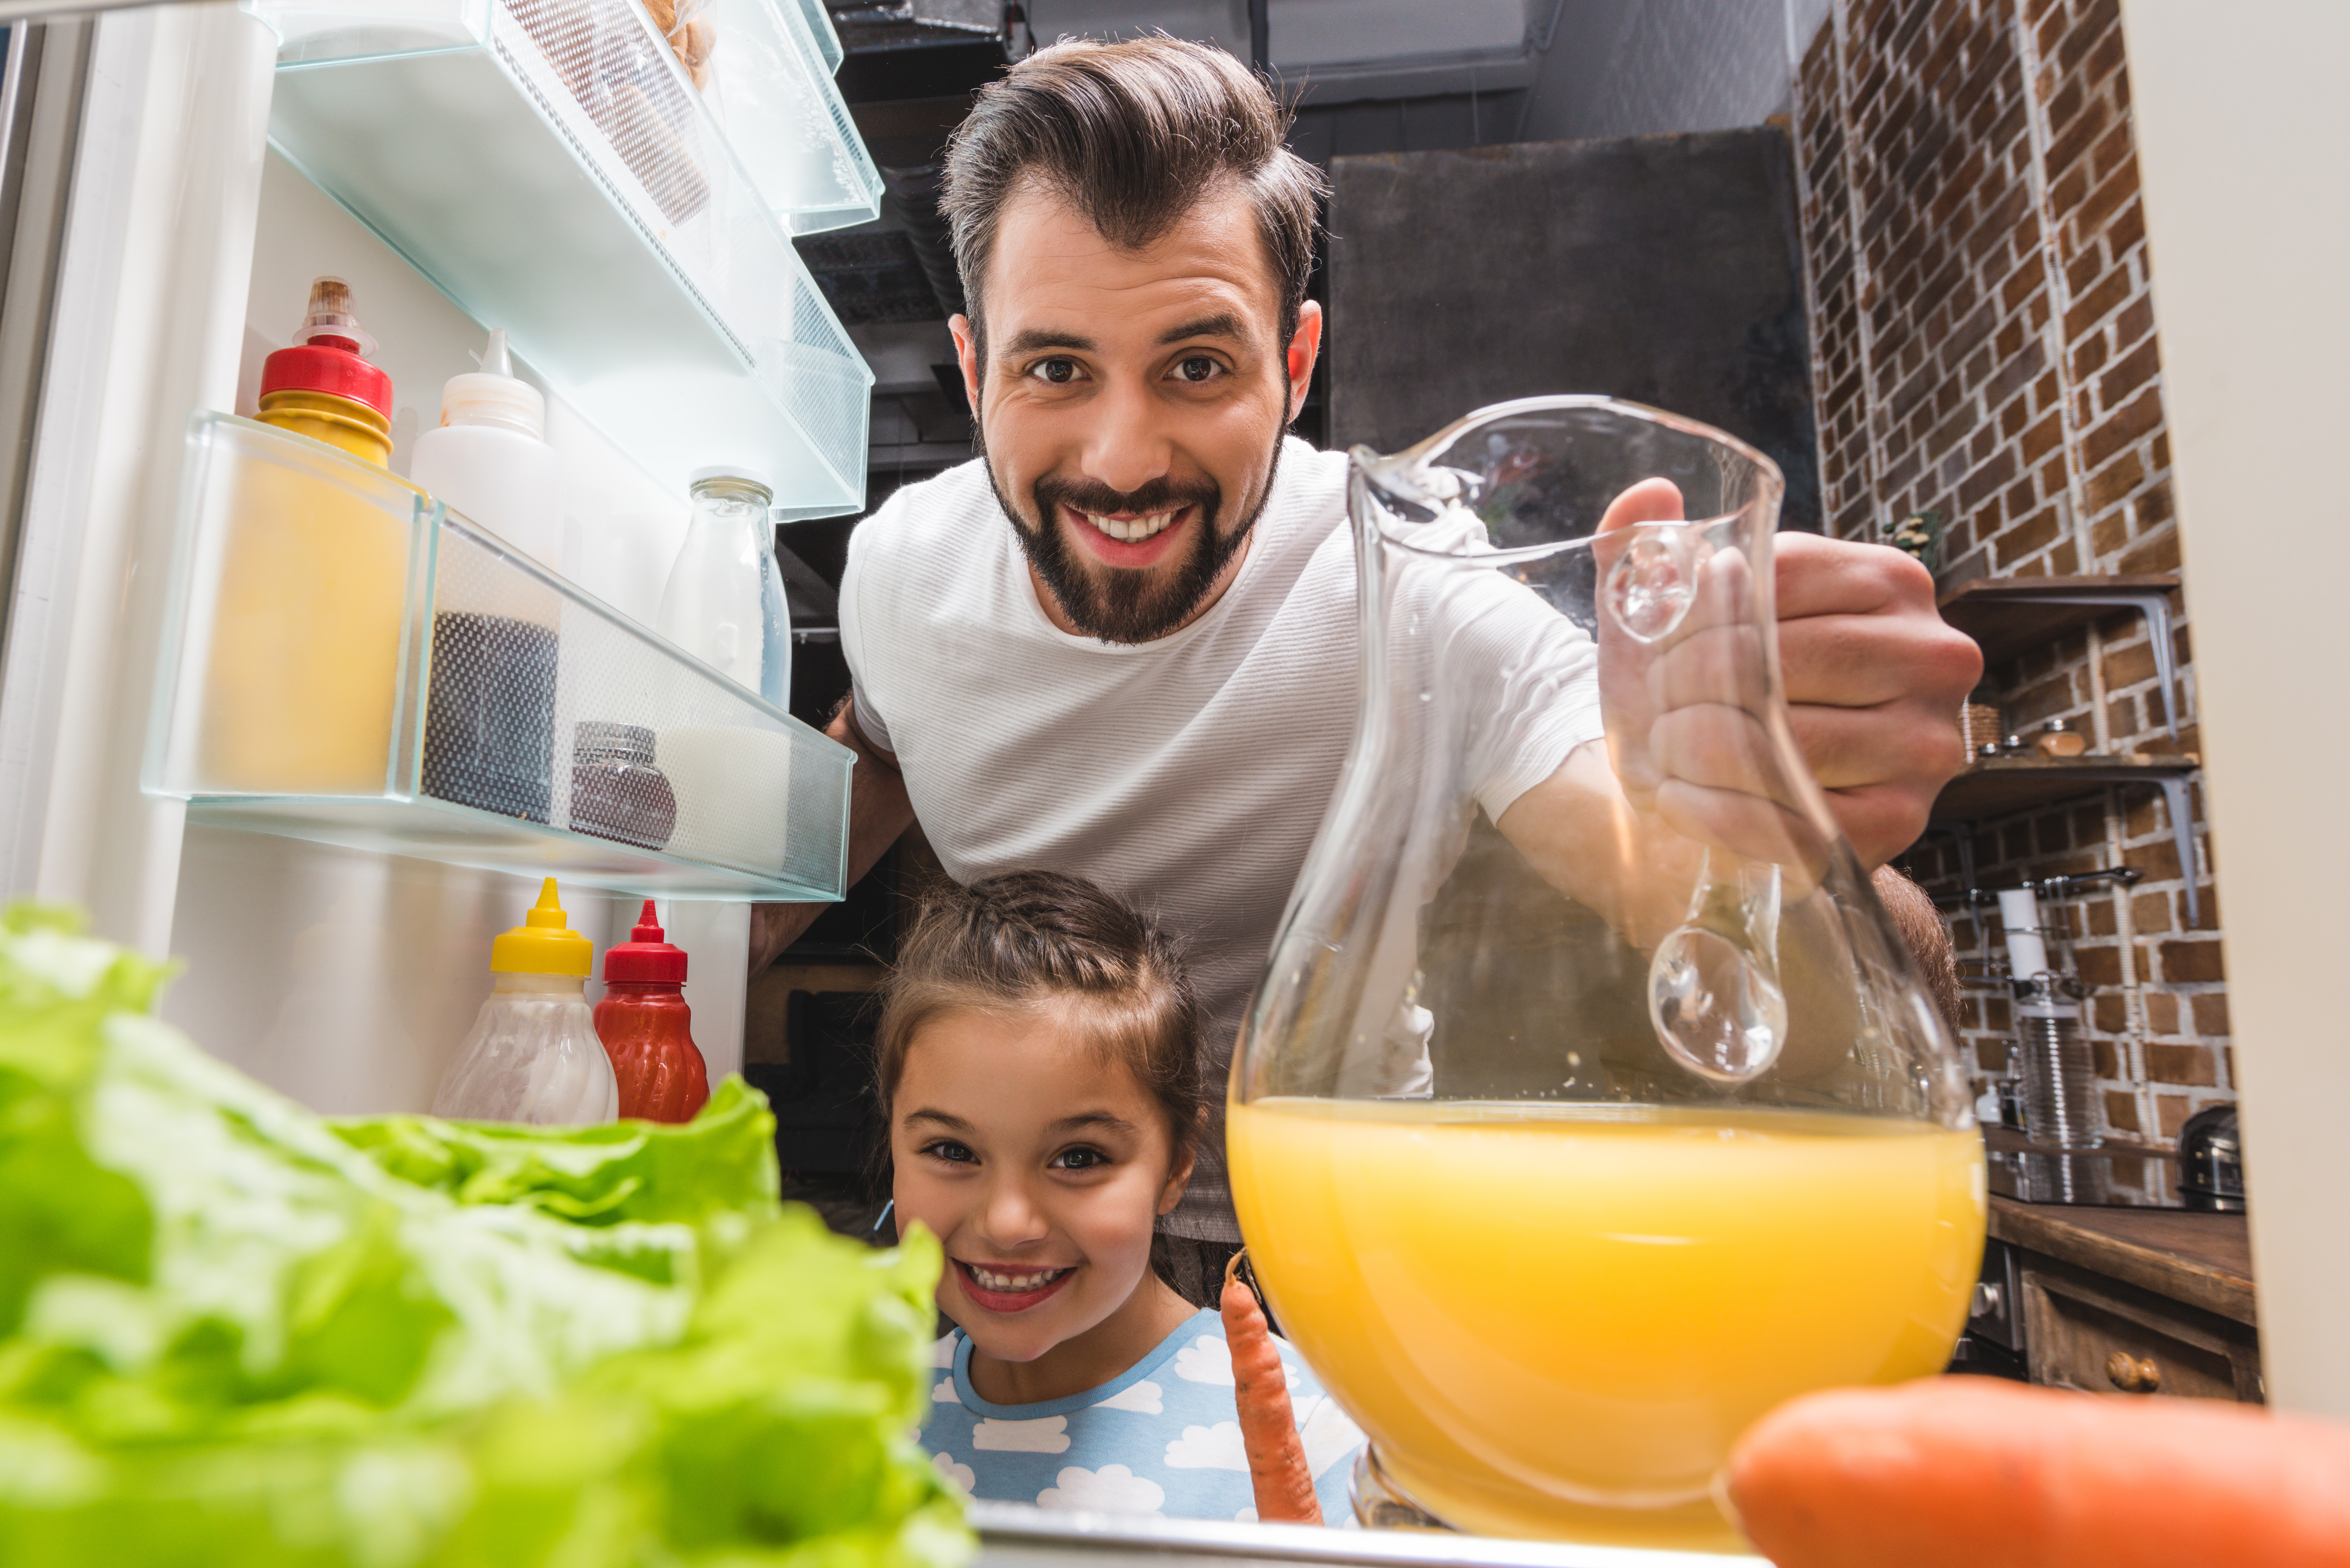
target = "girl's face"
x: 1041, y: 1163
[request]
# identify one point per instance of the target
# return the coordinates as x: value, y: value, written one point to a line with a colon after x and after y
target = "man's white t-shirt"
x: 1188, y: 774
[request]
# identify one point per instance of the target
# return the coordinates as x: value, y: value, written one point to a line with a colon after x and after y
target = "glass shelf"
x: 346, y: 661
x: 772, y: 88
x: 550, y: 166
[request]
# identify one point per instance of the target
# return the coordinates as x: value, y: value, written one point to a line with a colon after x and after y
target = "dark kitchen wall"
x: 1664, y: 269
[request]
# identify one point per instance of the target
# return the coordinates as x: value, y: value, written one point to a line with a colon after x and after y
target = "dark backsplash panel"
x: 1664, y: 270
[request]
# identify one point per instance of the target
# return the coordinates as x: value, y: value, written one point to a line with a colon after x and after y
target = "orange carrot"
x: 1952, y: 1471
x: 1276, y: 1454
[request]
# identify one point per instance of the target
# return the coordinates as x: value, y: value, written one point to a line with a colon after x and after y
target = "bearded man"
x: 1122, y: 643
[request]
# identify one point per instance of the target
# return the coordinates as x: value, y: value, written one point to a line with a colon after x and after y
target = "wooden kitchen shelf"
x: 1995, y: 787
x: 346, y: 661
x: 2007, y: 614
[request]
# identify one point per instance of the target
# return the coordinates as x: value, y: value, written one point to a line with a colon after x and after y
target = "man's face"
x: 1132, y: 404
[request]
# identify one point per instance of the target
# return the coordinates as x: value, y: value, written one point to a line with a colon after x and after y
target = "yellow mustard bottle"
x: 304, y: 650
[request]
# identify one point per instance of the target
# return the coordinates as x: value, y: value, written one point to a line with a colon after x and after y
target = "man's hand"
x: 1873, y: 682
x: 1874, y: 679
x: 878, y: 812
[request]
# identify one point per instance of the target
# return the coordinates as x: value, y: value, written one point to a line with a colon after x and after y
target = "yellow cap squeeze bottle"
x: 533, y: 1054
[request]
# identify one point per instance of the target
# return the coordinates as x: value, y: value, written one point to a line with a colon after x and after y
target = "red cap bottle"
x: 324, y: 386
x: 646, y: 1026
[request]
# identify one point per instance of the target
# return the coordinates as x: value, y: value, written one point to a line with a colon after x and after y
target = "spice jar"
x: 616, y: 791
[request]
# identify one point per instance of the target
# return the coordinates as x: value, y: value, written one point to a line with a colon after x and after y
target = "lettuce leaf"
x: 232, y: 1331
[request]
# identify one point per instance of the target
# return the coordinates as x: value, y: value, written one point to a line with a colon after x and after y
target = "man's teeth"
x: 1131, y: 529
x: 1012, y: 1284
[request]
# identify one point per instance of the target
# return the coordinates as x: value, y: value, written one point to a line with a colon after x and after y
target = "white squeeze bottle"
x: 489, y: 461
x: 533, y: 1054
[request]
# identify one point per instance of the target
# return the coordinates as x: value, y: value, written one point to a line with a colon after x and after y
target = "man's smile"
x: 1129, y: 539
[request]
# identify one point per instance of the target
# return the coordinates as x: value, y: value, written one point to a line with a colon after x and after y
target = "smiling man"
x: 1122, y: 644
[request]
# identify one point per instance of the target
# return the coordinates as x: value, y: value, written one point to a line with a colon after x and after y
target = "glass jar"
x: 616, y: 791
x: 723, y: 602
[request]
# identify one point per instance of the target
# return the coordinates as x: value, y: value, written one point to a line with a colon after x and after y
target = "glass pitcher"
x: 1589, y: 1106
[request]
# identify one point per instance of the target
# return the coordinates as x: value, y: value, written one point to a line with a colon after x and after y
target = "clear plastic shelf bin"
x: 771, y: 84
x: 551, y: 166
x: 347, y: 662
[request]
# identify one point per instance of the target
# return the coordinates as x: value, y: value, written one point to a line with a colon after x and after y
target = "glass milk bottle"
x: 725, y: 600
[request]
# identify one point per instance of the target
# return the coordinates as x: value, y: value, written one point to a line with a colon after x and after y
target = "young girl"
x: 1038, y: 1051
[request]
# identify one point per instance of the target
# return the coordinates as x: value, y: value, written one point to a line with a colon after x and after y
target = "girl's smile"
x: 1010, y: 1290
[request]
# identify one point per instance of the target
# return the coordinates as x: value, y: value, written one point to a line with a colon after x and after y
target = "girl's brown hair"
x: 1014, y: 942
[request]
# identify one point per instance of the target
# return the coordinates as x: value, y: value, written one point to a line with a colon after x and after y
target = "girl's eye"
x: 1196, y: 368
x: 1081, y: 1160
x: 1058, y: 372
x: 953, y: 1152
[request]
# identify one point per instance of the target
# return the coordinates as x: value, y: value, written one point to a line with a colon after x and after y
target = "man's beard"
x: 1122, y: 604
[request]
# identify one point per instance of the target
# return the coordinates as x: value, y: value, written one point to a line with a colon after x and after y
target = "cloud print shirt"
x: 1162, y: 1438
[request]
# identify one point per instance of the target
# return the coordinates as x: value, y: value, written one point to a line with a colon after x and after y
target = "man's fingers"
x: 1858, y: 627
x: 1879, y: 821
x: 1719, y: 664
x: 1817, y: 576
x: 1721, y: 748
x: 1650, y: 501
x: 1894, y: 742
x: 1746, y: 826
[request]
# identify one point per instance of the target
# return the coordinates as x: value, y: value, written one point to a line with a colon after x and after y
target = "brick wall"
x: 1985, y: 348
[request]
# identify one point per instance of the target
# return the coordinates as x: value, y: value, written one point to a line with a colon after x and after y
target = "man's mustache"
x: 1158, y: 495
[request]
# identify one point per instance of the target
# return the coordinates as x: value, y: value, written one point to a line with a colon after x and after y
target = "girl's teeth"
x: 1136, y: 528
x: 1012, y: 1284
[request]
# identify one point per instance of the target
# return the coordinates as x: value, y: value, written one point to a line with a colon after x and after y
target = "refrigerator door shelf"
x: 769, y: 82
x: 549, y: 166
x: 347, y: 662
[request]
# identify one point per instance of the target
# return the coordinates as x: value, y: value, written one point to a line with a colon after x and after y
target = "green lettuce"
x: 231, y: 1332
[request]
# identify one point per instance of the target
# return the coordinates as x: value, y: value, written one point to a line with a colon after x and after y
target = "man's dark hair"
x: 1132, y: 135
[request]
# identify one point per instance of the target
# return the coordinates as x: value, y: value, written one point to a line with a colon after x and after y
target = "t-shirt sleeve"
x: 1529, y: 679
x: 855, y: 581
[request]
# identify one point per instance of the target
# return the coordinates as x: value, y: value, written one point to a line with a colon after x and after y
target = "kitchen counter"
x: 2129, y: 1301
x: 2202, y: 1260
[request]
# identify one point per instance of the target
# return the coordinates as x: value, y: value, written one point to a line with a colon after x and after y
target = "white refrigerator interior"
x: 345, y: 977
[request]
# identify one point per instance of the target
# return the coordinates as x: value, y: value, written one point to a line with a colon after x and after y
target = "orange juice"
x: 1554, y: 1319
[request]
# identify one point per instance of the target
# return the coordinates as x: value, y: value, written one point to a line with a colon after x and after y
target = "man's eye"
x: 955, y: 1153
x: 1196, y: 368
x: 1081, y: 1160
x: 1059, y: 373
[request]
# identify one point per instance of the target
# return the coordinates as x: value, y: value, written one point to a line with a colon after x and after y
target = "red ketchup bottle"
x: 645, y: 1025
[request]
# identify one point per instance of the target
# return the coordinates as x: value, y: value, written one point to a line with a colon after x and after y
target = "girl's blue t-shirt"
x: 1162, y: 1438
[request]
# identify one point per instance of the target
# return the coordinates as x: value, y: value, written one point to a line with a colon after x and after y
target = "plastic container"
x: 533, y: 1056
x: 647, y: 1027
x: 489, y: 461
x: 616, y: 791
x: 311, y: 580
x: 724, y: 599
x: 489, y: 736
